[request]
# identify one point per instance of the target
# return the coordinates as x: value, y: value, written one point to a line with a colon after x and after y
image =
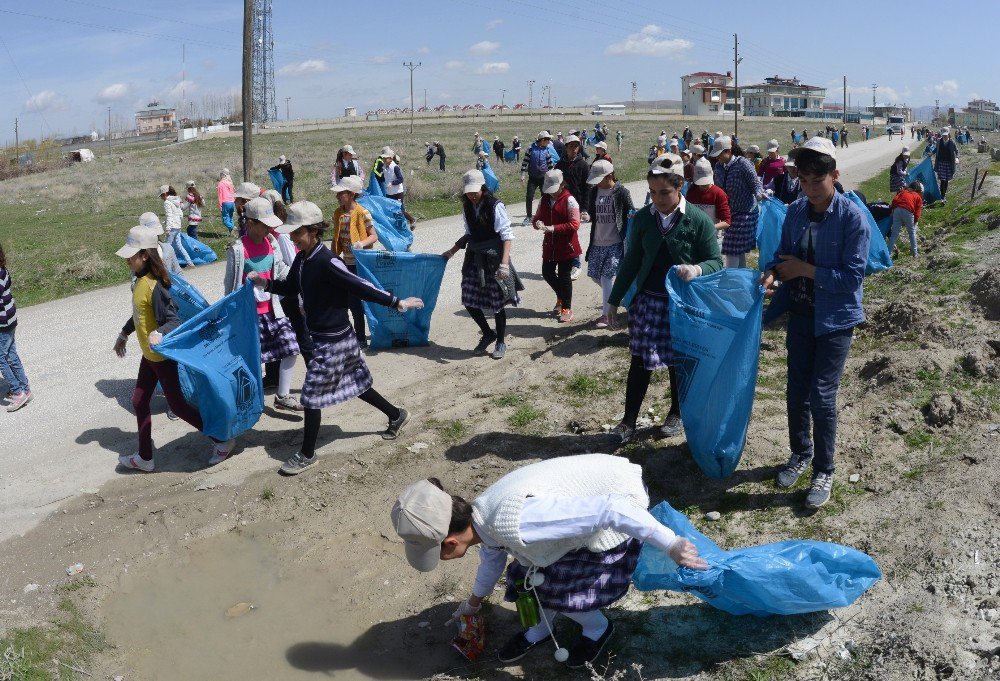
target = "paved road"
x: 68, y: 439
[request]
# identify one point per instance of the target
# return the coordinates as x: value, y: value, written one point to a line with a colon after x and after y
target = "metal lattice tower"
x: 264, y: 108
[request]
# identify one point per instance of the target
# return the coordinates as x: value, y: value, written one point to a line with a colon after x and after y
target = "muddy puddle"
x: 235, y: 607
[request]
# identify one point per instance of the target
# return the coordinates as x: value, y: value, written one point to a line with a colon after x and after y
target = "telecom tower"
x: 264, y: 108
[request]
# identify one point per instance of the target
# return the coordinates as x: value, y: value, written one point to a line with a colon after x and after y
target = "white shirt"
x: 553, y: 518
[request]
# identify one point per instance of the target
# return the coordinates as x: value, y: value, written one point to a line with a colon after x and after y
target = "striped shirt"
x: 8, y: 310
x: 739, y: 180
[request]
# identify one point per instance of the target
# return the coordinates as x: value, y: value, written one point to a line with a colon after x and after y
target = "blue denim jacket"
x: 841, y: 255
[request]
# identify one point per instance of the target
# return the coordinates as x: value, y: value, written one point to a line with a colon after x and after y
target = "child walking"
x: 154, y: 314
x: 353, y: 229
x: 610, y: 208
x: 173, y: 214
x: 193, y: 203
x: 558, y: 215
x: 10, y: 362
x: 337, y: 371
x: 226, y: 191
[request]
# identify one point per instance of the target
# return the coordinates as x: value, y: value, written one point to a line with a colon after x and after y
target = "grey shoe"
x: 396, y: 425
x: 672, y: 426
x: 297, y: 464
x: 622, y: 433
x: 484, y: 342
x: 499, y: 351
x: 819, y: 490
x: 792, y: 470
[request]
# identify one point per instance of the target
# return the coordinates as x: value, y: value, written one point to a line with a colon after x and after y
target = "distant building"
x: 982, y: 105
x: 154, y: 119
x: 778, y: 96
x: 884, y: 111
x: 706, y: 94
x: 351, y: 111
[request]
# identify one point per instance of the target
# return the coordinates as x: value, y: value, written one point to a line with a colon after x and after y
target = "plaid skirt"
x: 649, y: 330
x: 741, y: 235
x: 581, y: 580
x: 488, y: 298
x: 603, y: 261
x: 336, y: 373
x: 944, y: 170
x: 277, y: 338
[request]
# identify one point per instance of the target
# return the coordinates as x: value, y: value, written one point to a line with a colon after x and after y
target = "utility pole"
x: 936, y: 112
x: 247, y: 100
x: 412, y: 68
x: 635, y: 91
x: 845, y: 100
x: 531, y: 86
x: 17, y: 145
x: 425, y: 98
x: 736, y: 85
x: 874, y: 88
x: 109, y: 132
x: 550, y: 97
x: 503, y: 94
x: 287, y: 117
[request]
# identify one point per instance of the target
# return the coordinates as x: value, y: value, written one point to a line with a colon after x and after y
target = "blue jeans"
x: 228, y: 209
x: 174, y: 239
x: 10, y: 363
x: 900, y: 218
x: 815, y: 365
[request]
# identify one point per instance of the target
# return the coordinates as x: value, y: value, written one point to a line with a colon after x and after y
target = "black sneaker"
x: 672, y: 426
x: 793, y: 470
x: 517, y: 647
x: 484, y: 343
x: 396, y: 425
x: 587, y: 650
x: 297, y: 464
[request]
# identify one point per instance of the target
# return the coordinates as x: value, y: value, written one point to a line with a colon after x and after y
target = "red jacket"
x: 563, y: 212
x: 708, y: 196
x: 911, y: 201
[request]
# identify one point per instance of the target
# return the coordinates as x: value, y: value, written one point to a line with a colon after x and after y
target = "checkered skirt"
x: 741, y: 235
x: 649, y: 330
x: 582, y: 580
x: 336, y: 373
x: 945, y: 170
x: 277, y: 338
x: 488, y: 298
x: 603, y: 261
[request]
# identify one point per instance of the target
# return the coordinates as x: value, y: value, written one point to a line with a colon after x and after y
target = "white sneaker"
x: 574, y: 273
x: 221, y: 452
x: 135, y: 462
x: 526, y: 222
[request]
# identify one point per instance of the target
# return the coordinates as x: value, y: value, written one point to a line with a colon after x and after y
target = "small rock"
x: 643, y: 422
x: 843, y: 654
x: 75, y: 569
x: 31, y: 587
x: 804, y: 649
x: 713, y: 515
x: 854, y: 478
x: 417, y: 446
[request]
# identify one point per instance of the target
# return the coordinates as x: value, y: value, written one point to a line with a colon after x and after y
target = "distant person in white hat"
x: 482, y: 160
x: 574, y: 525
x: 772, y: 166
x: 151, y: 221
x: 610, y: 208
x: 347, y: 165
x: 285, y: 166
x: 537, y: 161
x: 498, y: 147
x: 246, y: 191
x: 226, y: 192
x: 897, y: 172
x: 393, y: 179
x: 353, y: 230
x: 601, y: 152
x: 558, y: 216
x: 820, y: 264
x: 786, y: 186
x: 619, y: 138
x: 703, y: 194
x: 337, y: 371
x: 945, y: 161
x: 736, y: 175
x: 173, y: 215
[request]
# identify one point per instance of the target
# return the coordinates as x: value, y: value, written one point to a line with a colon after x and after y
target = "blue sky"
x: 66, y: 61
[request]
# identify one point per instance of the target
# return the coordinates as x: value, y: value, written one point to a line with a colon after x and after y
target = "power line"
x: 23, y: 81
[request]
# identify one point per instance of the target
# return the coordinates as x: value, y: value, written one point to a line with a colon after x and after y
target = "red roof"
x: 708, y: 74
x: 708, y: 86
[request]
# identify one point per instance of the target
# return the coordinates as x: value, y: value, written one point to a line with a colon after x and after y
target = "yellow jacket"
x: 360, y: 220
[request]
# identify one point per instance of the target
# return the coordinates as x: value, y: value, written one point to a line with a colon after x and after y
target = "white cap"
x: 421, y: 516
x: 946, y: 131
x: 572, y: 138
x: 818, y: 144
x: 247, y: 190
x: 138, y: 239
x: 544, y: 134
x: 718, y: 134
x: 150, y: 220
x: 348, y: 149
x: 754, y: 148
x: 668, y: 164
x: 164, y: 188
x: 674, y: 143
x: 482, y: 153
x: 906, y: 151
x: 702, y: 173
x: 282, y: 159
x: 189, y: 183
x: 772, y: 145
x: 602, y: 145
x: 473, y: 181
x: 553, y: 180
x: 599, y: 171
x: 387, y: 152
x: 300, y: 213
x: 697, y: 149
x: 721, y: 144
x: 262, y: 210
x: 351, y: 183
x: 273, y: 196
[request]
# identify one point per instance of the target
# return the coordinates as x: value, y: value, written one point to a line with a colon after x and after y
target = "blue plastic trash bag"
x: 405, y: 274
x: 492, y: 181
x: 924, y: 171
x: 553, y: 154
x: 509, y: 155
x: 277, y: 179
x: 390, y: 224
x: 188, y: 299
x: 219, y: 351
x: 715, y: 334
x: 590, y: 139
x: 884, y: 225
x: 201, y: 253
x: 879, y: 257
x: 375, y: 187
x: 772, y: 217
x: 786, y: 578
x: 486, y: 148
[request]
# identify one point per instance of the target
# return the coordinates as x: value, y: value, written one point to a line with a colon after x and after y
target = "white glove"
x: 688, y: 272
x: 584, y: 216
x: 257, y: 280
x: 462, y: 610
x: 522, y: 177
x: 155, y: 337
x: 357, y: 246
x: 685, y: 554
x: 405, y: 304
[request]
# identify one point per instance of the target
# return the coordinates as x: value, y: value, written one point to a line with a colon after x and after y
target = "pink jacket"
x: 226, y: 192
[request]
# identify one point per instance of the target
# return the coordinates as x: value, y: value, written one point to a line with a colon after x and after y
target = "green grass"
x: 453, y: 431
x: 524, y: 416
x: 508, y: 400
x: 267, y: 494
x: 27, y: 654
x: 757, y: 669
x: 82, y: 582
x: 917, y: 439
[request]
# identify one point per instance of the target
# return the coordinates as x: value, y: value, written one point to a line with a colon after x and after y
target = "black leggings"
x: 944, y: 187
x: 357, y: 312
x: 529, y: 194
x: 480, y: 318
x: 635, y: 390
x: 314, y: 416
x: 557, y: 275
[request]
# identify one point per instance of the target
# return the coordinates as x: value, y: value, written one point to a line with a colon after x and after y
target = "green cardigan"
x: 691, y: 242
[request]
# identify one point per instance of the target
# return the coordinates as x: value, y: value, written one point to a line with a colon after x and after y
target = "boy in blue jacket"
x: 817, y: 277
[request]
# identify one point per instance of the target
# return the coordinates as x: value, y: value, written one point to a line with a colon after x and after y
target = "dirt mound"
x: 898, y: 317
x: 986, y: 292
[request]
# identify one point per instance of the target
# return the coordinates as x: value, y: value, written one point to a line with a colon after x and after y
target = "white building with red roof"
x: 705, y: 93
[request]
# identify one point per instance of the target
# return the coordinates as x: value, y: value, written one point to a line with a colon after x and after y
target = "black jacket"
x: 286, y: 170
x: 575, y: 176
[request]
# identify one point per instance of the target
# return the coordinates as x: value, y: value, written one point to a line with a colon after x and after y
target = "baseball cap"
x: 387, y: 152
x: 472, y: 181
x: 553, y: 180
x: 754, y: 148
x: 718, y: 133
x: 348, y: 149
x: 544, y: 134
x: 189, y: 183
x: 946, y: 131
x: 702, y: 173
x: 599, y: 171
x: 572, y: 138
x: 820, y: 145
x: 697, y: 149
x: 668, y: 164
x: 772, y: 145
x: 602, y: 145
x: 300, y: 213
x: 906, y: 151
x: 247, y: 190
x: 150, y: 220
x: 721, y: 144
x: 351, y: 183
x: 262, y: 210
x: 164, y: 188
x: 421, y: 516
x: 139, y: 239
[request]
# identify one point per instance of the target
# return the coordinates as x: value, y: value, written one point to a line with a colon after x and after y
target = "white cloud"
x: 113, y: 93
x: 651, y: 41
x: 946, y: 87
x: 484, y: 47
x: 493, y: 24
x: 46, y: 100
x: 493, y: 67
x: 304, y: 68
x: 454, y: 65
x: 381, y: 59
x: 424, y: 50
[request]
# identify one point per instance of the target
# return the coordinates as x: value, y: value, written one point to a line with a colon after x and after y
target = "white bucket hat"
x: 772, y: 145
x: 351, y: 183
x: 906, y: 151
x: 138, y: 239
x: 151, y: 221
x: 472, y: 181
x: 599, y: 171
x: 300, y: 213
x: 247, y: 190
x: 702, y: 173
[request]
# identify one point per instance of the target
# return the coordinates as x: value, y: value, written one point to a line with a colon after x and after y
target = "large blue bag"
x: 405, y: 274
x: 375, y: 187
x: 201, y: 254
x: 879, y: 257
x: 492, y: 181
x: 924, y: 171
x: 786, y: 578
x: 487, y: 148
x: 391, y: 225
x: 884, y: 225
x: 219, y: 350
x: 188, y: 299
x: 772, y: 217
x: 277, y: 180
x: 715, y: 335
x: 553, y: 154
x: 509, y: 155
